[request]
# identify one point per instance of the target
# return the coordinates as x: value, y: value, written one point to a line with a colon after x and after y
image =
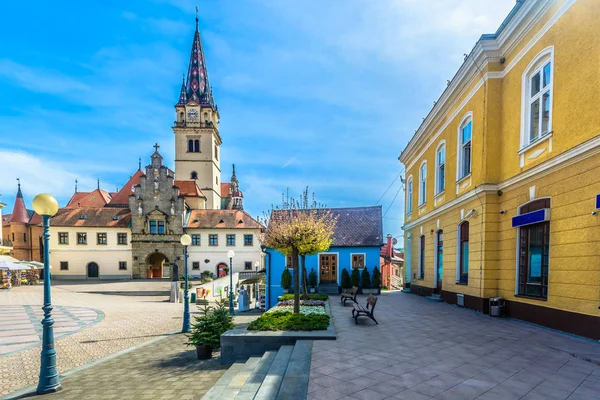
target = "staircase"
x: 396, y: 283
x: 330, y: 289
x: 281, y: 374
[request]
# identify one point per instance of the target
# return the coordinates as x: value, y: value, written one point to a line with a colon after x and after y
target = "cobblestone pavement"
x: 20, y: 326
x: 128, y: 321
x: 427, y: 350
x: 162, y: 369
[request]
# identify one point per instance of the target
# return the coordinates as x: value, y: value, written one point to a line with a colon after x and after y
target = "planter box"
x: 312, y: 290
x: 286, y: 291
x: 370, y: 291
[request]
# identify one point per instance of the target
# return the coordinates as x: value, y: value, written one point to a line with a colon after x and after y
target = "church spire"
x: 182, y: 96
x: 19, y: 213
x: 197, y: 87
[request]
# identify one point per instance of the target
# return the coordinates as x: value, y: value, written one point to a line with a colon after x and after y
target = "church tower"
x: 197, y: 140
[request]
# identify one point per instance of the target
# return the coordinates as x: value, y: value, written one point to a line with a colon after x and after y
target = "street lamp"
x: 230, y: 254
x: 186, y: 240
x: 47, y: 206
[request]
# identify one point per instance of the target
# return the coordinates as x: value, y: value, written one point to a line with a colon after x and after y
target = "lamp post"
x: 47, y: 206
x: 186, y: 240
x: 230, y: 254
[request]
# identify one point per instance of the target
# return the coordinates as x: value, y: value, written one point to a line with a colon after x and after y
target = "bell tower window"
x: 193, y: 145
x: 194, y: 175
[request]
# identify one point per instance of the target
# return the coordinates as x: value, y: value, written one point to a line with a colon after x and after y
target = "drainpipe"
x: 268, y: 272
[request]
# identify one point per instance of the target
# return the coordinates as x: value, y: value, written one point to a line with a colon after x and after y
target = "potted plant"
x: 182, y: 281
x: 286, y: 280
x: 346, y: 282
x: 366, y: 282
x: 376, y: 280
x: 312, y: 280
x: 355, y: 277
x: 206, y: 332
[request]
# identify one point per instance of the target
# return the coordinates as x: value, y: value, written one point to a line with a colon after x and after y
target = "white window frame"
x: 468, y: 117
x: 422, y: 180
x: 409, y: 195
x: 536, y: 65
x: 441, y: 146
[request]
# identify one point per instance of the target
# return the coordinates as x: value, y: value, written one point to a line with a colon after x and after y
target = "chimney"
x: 390, y: 250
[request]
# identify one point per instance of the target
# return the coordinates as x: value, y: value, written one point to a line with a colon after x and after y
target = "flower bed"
x: 302, y: 303
x: 305, y: 310
x: 321, y: 297
x: 288, y: 321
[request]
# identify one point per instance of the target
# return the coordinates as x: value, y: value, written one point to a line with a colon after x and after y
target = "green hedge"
x: 285, y: 321
x: 314, y: 296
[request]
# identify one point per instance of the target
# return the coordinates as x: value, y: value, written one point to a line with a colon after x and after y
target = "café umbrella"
x: 12, y: 266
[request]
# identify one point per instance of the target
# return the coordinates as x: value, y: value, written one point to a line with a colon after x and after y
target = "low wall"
x: 239, y: 344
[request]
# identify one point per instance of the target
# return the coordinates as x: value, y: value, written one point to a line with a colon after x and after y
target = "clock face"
x: 192, y: 115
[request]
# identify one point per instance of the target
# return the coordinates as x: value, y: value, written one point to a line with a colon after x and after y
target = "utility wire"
x: 389, y: 187
x: 393, y: 200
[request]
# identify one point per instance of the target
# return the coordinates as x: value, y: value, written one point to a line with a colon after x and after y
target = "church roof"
x: 96, y: 198
x: 92, y: 217
x: 197, y: 87
x: 224, y: 219
x: 189, y: 189
x: 122, y: 196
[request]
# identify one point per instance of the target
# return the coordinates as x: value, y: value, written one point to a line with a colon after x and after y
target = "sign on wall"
x: 533, y: 217
x: 598, y: 202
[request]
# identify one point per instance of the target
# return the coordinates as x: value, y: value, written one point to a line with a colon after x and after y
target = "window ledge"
x: 523, y: 296
x: 464, y: 178
x: 530, y: 145
x: 439, y: 194
x: 463, y: 283
x: 422, y: 205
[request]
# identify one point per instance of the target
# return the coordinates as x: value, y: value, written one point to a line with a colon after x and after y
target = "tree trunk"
x: 304, y: 285
x: 296, y: 280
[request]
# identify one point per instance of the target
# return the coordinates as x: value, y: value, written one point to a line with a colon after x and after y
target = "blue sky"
x: 324, y: 93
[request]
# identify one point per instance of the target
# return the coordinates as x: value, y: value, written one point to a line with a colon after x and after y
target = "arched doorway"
x: 93, y: 271
x: 157, y: 262
x: 221, y: 270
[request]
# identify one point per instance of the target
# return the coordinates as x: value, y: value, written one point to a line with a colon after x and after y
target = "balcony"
x: 194, y: 124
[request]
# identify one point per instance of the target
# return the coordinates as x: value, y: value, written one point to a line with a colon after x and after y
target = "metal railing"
x: 194, y: 124
x: 6, y: 243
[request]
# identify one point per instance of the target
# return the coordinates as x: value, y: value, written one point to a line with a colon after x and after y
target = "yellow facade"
x: 533, y: 137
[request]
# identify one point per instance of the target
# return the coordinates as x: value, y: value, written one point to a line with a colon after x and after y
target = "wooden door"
x: 328, y: 266
x: 93, y: 270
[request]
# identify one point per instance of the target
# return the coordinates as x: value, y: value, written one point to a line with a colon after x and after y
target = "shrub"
x: 313, y: 296
x: 355, y: 277
x: 207, y: 273
x: 366, y: 279
x: 376, y: 278
x: 286, y: 279
x: 312, y: 278
x: 346, y: 284
x: 286, y: 321
x: 208, y: 329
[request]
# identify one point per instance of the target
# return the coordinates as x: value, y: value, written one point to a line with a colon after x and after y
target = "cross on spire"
x: 19, y: 182
x: 156, y: 146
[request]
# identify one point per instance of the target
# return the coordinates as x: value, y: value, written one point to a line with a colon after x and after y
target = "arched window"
x: 440, y: 168
x: 196, y: 146
x: 409, y: 195
x: 423, y: 183
x: 536, y: 109
x: 465, y: 132
x: 190, y: 146
x: 463, y: 252
x: 439, y: 259
x: 422, y: 257
x: 194, y: 175
x: 181, y: 116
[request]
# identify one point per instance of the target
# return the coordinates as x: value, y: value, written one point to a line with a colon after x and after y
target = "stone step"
x: 230, y: 384
x: 270, y: 386
x: 257, y: 376
x: 295, y: 381
x: 435, y: 297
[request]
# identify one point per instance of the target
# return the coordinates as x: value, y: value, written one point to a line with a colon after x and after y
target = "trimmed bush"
x: 366, y: 279
x: 286, y: 321
x: 355, y: 277
x: 286, y: 279
x: 208, y: 329
x: 376, y: 278
x: 312, y: 278
x: 346, y: 283
x: 314, y: 296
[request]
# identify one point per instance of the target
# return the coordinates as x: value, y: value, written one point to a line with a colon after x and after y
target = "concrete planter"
x: 203, y: 352
x: 312, y: 290
x: 286, y: 291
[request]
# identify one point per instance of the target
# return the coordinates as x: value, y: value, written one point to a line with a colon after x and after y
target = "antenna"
x: 75, y: 185
x: 98, y: 184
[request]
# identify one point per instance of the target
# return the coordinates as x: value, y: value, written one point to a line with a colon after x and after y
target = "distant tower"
x: 197, y: 140
x: 237, y: 198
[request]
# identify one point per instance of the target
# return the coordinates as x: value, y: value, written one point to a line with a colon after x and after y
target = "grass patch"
x: 314, y: 296
x: 286, y: 321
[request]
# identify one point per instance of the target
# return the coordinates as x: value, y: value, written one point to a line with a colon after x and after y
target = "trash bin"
x: 496, y: 306
x: 193, y: 299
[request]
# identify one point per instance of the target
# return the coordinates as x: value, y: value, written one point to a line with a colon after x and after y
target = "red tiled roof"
x: 19, y: 213
x: 97, y: 198
x: 92, y: 216
x: 225, y: 189
x: 6, y: 219
x: 122, y: 197
x: 189, y: 189
x: 229, y: 219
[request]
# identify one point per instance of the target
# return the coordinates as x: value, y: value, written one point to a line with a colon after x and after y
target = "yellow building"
x: 503, y: 175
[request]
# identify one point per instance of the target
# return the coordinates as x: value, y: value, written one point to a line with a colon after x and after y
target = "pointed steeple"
x: 182, y: 96
x: 19, y: 213
x: 197, y: 87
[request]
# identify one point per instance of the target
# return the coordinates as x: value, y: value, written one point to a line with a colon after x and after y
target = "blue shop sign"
x: 533, y: 217
x: 598, y: 202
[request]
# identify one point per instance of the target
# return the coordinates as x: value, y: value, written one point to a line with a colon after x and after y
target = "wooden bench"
x: 367, y: 311
x: 349, y: 296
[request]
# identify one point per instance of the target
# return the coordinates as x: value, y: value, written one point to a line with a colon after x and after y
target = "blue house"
x: 357, y: 241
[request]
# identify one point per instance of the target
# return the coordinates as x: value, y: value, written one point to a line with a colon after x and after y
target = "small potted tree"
x: 346, y: 282
x: 312, y: 280
x: 206, y: 332
x: 286, y: 280
x: 376, y: 280
x: 366, y: 282
x: 355, y: 277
